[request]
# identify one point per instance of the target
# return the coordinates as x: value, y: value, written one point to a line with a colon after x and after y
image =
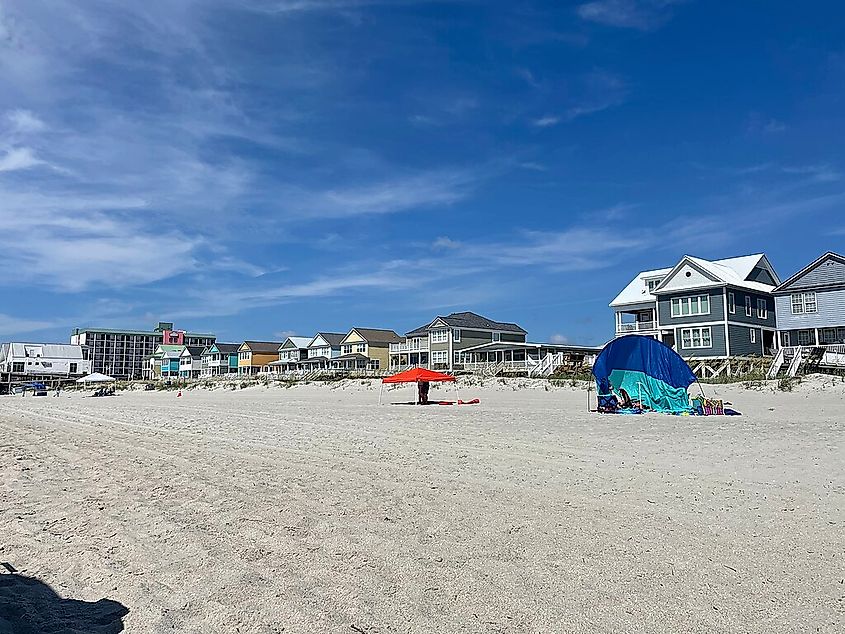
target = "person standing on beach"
x: 423, y: 392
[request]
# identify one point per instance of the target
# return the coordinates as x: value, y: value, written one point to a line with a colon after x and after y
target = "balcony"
x: 635, y: 327
x: 405, y: 347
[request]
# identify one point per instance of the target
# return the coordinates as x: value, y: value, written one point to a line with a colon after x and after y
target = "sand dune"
x: 312, y: 509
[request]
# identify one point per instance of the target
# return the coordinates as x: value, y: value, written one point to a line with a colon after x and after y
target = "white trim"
x: 762, y: 313
x: 701, y: 330
x: 752, y: 333
x: 689, y: 301
x: 748, y: 310
x: 731, y: 303
x: 727, y: 328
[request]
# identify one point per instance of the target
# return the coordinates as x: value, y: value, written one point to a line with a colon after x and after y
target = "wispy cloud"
x: 546, y: 121
x: 643, y: 15
x: 15, y: 325
x: 20, y: 158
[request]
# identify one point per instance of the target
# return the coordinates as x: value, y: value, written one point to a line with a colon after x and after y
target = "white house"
x: 43, y: 359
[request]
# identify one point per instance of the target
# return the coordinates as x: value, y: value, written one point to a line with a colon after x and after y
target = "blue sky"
x: 258, y: 168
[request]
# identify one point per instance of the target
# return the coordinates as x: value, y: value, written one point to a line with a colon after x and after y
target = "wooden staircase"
x: 797, y: 360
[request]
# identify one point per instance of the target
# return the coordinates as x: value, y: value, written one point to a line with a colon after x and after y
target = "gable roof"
x: 730, y: 271
x: 295, y: 342
x: 261, y: 346
x: 829, y: 256
x: 194, y: 351
x: 225, y: 348
x: 46, y: 350
x: 376, y: 335
x: 331, y: 338
x: 469, y: 319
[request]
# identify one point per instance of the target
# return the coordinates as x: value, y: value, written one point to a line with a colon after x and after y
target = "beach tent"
x: 647, y: 370
x: 96, y: 377
x: 416, y: 376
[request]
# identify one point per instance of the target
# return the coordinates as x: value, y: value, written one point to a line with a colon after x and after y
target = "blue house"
x: 810, y: 305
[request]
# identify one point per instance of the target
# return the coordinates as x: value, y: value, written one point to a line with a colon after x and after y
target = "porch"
x: 637, y: 321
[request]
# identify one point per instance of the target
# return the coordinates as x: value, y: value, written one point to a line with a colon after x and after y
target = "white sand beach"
x: 313, y: 509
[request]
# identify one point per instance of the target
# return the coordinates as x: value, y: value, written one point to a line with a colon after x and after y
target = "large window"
x: 440, y: 356
x: 829, y: 335
x: 439, y: 336
x: 361, y: 348
x: 762, y: 309
x: 346, y: 348
x: 692, y: 338
x: 806, y: 338
x: 804, y: 303
x: 685, y: 306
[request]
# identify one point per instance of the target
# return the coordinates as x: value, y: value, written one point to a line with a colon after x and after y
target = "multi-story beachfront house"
x: 438, y: 344
x: 255, y: 356
x: 810, y: 305
x: 125, y: 354
x: 43, y: 359
x: 169, y: 361
x: 219, y: 359
x: 365, y: 349
x: 190, y: 362
x: 291, y: 352
x: 153, y: 363
x: 703, y: 308
x: 323, y: 347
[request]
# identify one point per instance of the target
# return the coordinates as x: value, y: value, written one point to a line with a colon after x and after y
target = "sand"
x: 312, y: 509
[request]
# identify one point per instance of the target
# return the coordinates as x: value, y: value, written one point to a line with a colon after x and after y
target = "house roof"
x: 470, y: 320
x: 377, y: 335
x: 830, y: 255
x: 732, y: 271
x: 297, y: 342
x: 331, y: 338
x: 47, y: 350
x: 261, y: 346
x: 194, y: 351
x: 226, y: 348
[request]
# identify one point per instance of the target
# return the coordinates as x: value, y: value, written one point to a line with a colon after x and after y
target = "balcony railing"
x: 636, y: 326
x: 396, y: 348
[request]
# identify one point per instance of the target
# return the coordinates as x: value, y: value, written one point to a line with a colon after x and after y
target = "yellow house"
x: 255, y: 356
x: 366, y: 349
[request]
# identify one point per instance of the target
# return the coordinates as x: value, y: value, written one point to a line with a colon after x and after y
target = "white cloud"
x: 643, y: 15
x: 14, y: 325
x: 20, y: 158
x: 546, y: 121
x: 24, y: 122
x: 444, y: 242
x: 560, y: 339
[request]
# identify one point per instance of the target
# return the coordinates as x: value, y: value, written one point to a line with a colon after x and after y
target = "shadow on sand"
x: 30, y: 606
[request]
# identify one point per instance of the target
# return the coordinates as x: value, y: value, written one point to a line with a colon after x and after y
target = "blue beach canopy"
x: 647, y: 370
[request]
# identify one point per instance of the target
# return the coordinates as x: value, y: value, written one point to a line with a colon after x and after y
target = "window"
x: 762, y: 309
x: 497, y: 336
x: 753, y: 334
x: 805, y: 337
x: 456, y: 334
x: 696, y: 338
x: 346, y: 348
x: 731, y: 303
x: 652, y: 284
x: 829, y: 335
x: 439, y: 336
x: 439, y: 356
x: 804, y: 303
x: 685, y: 306
x: 785, y: 339
x: 73, y: 367
x: 361, y: 348
x: 17, y: 367
x: 747, y: 306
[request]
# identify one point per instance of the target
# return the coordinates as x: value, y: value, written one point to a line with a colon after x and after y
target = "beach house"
x: 43, y: 359
x: 291, y: 352
x: 169, y: 360
x: 703, y: 308
x: 438, y: 344
x: 365, y: 349
x: 190, y: 362
x: 255, y: 356
x: 219, y: 359
x: 810, y: 305
x: 321, y: 349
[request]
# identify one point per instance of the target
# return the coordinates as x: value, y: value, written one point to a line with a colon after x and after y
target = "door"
x: 669, y: 339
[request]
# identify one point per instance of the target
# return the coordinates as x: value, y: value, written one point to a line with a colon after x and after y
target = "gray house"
x: 810, y: 305
x: 438, y: 344
x: 703, y: 308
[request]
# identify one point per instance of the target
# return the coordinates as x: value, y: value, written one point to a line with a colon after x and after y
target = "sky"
x: 262, y: 168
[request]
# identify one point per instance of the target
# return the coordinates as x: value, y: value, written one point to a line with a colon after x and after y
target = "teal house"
x: 219, y: 359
